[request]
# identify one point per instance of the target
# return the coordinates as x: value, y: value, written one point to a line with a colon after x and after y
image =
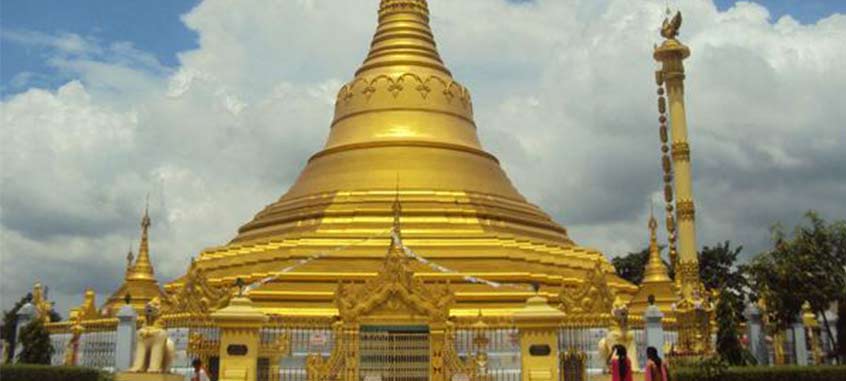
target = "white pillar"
x: 26, y: 315
x: 800, y: 342
x: 755, y: 334
x: 125, y: 341
x: 654, y: 328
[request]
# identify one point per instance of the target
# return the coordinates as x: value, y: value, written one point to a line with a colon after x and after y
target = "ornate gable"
x: 395, y: 291
x: 197, y: 297
x: 592, y: 297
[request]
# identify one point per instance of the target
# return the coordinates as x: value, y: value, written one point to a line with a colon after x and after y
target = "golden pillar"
x: 694, y: 308
x: 240, y: 324
x: 437, y: 341
x: 539, y: 323
x: 671, y: 54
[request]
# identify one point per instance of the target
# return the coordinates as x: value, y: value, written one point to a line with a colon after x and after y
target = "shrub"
x: 28, y: 372
x: 35, y: 341
x: 779, y: 373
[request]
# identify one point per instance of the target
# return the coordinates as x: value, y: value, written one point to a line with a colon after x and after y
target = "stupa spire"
x: 403, y: 38
x: 655, y: 270
x: 143, y: 267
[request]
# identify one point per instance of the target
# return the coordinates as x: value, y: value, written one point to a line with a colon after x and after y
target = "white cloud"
x: 226, y: 132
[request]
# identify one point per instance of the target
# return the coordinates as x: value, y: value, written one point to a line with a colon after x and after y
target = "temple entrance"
x: 394, y: 353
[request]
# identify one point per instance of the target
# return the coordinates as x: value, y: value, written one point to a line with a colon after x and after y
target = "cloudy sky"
x: 213, y: 107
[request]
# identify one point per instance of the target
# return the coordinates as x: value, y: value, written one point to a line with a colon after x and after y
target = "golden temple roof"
x: 402, y: 116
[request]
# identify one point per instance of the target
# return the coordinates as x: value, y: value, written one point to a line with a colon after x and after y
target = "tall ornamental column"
x: 671, y: 55
x: 240, y: 325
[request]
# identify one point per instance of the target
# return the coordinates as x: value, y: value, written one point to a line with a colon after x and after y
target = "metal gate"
x: 573, y: 365
x: 394, y: 353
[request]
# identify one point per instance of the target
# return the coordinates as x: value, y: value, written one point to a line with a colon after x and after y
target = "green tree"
x: 630, y: 267
x: 36, y: 345
x: 822, y: 264
x: 774, y: 278
x: 728, y: 344
x: 718, y: 270
x: 807, y: 266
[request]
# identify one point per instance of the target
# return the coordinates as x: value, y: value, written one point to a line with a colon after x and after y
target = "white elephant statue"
x: 154, y: 350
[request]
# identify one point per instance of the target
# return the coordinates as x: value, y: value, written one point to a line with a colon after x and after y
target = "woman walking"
x: 656, y: 370
x: 621, y: 366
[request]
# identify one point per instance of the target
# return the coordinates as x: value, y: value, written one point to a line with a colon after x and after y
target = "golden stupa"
x: 656, y: 280
x: 139, y: 285
x: 404, y: 129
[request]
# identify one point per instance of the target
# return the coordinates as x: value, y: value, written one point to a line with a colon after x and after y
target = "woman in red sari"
x: 621, y: 366
x: 656, y: 370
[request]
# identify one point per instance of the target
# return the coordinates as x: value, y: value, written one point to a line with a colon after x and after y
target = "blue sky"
x: 152, y: 26
x: 155, y: 27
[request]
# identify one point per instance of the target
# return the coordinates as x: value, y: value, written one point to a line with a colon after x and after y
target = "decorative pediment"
x: 197, y: 297
x: 395, y: 291
x: 593, y: 296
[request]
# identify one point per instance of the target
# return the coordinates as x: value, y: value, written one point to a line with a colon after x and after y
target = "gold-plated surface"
x: 403, y: 128
x: 656, y: 280
x: 693, y: 311
x: 140, y: 284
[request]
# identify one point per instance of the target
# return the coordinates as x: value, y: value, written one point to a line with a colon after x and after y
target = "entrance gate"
x: 390, y: 353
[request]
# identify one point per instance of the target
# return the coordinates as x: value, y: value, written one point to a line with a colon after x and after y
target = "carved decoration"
x: 395, y: 290
x: 453, y: 363
x: 681, y: 152
x: 388, y: 6
x: 592, y: 297
x: 396, y: 85
x: 686, y: 210
x: 197, y: 297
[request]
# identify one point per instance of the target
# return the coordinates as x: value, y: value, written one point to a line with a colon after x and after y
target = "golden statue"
x: 670, y: 29
x: 43, y: 307
x: 154, y: 350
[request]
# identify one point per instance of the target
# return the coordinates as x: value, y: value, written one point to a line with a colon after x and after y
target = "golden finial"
x: 143, y: 268
x: 670, y: 29
x: 145, y: 221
